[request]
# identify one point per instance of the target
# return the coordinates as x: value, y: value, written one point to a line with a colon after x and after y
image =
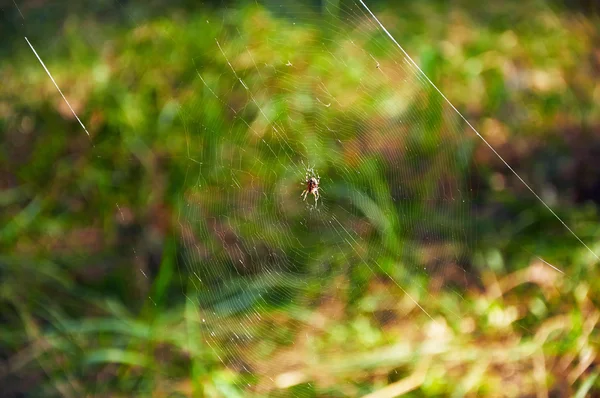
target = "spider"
x: 312, y: 186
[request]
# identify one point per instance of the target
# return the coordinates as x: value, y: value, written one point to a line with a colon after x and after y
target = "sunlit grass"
x: 97, y: 300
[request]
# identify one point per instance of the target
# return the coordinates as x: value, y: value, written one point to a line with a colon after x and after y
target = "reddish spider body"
x: 312, y: 187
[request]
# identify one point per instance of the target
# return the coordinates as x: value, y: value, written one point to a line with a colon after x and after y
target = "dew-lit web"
x: 316, y: 91
x: 328, y: 92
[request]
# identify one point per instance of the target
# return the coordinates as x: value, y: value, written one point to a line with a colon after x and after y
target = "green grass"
x: 119, y: 274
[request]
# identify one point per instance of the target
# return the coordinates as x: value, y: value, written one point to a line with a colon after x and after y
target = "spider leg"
x: 304, y: 193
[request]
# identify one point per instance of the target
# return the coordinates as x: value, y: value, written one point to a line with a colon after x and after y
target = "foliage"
x: 96, y: 293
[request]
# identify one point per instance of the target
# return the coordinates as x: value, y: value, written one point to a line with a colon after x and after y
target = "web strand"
x: 58, y: 88
x: 477, y: 132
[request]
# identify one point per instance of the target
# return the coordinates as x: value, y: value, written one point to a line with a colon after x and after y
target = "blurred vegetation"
x: 97, y: 290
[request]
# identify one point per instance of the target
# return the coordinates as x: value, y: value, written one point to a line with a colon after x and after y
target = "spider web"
x: 335, y: 94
